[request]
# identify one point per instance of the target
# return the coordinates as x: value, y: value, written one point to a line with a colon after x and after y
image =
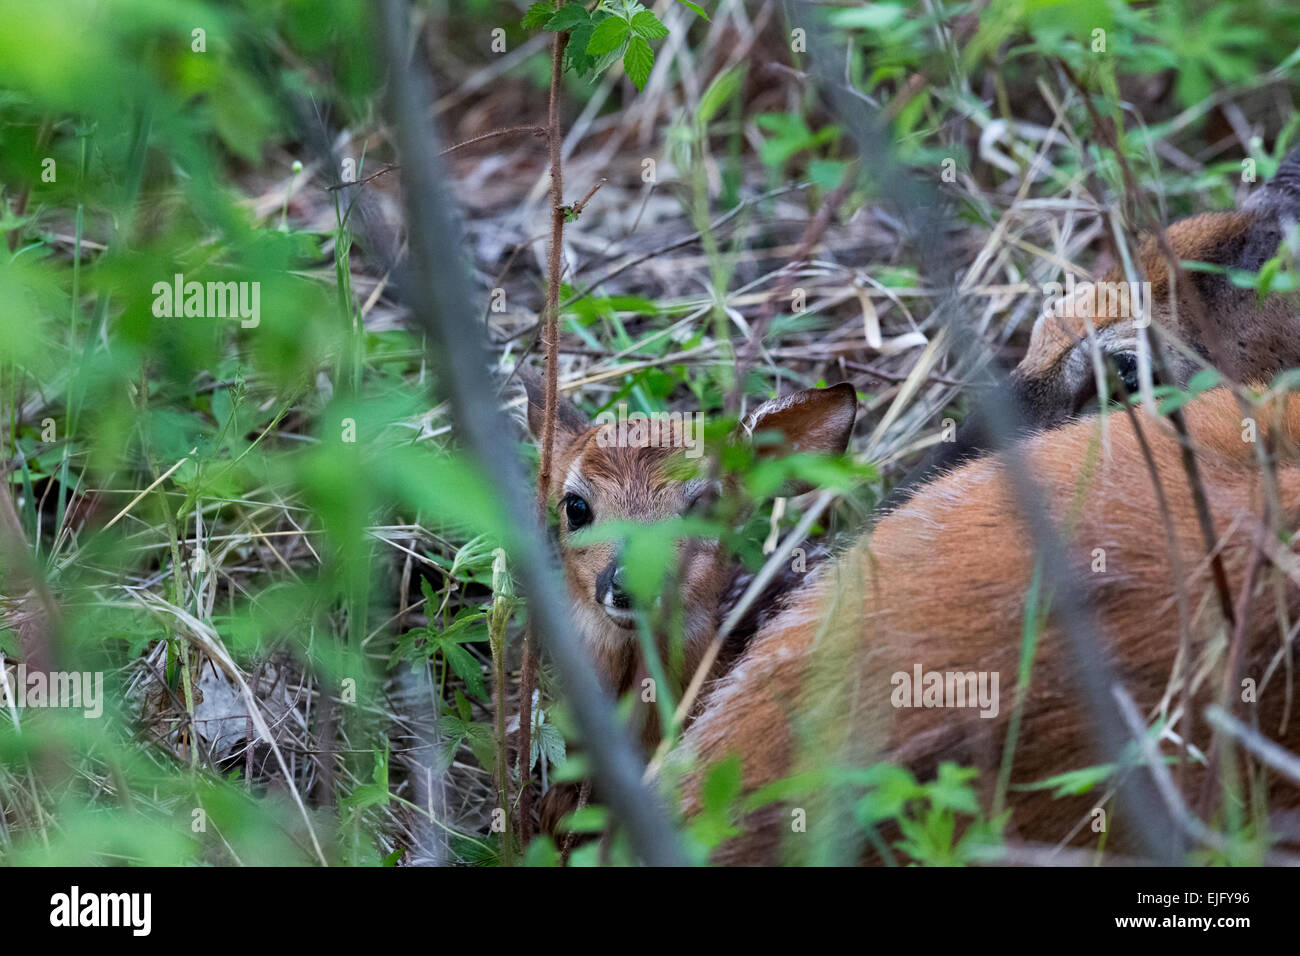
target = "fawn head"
x: 622, y: 471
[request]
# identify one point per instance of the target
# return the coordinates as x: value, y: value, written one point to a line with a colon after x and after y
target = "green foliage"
x: 293, y: 471
x: 615, y: 30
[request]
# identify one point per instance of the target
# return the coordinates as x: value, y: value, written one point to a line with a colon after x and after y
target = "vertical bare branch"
x: 436, y: 285
x: 554, y: 266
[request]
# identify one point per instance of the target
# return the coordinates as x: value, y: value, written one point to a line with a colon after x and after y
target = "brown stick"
x: 361, y: 182
x: 1231, y: 676
x: 555, y: 262
x: 535, y: 130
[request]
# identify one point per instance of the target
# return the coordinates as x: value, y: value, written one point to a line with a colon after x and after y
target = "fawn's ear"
x: 814, y: 419
x: 568, y: 420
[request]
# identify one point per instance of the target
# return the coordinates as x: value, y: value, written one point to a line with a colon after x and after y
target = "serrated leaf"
x: 608, y: 36
x: 459, y: 630
x: 466, y: 667
x: 481, y: 744
x: 646, y: 24
x: 638, y: 60
x: 551, y: 742
x: 603, y: 63
x: 537, y: 14
x: 579, y: 60
x: 567, y: 18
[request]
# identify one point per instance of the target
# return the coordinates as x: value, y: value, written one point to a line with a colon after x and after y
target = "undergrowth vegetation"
x: 238, y: 501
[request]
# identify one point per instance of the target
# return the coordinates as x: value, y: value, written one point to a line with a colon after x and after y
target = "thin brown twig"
x: 361, y: 182
x: 1231, y: 678
x: 661, y: 250
x: 574, y: 211
x: 535, y: 130
x: 555, y: 264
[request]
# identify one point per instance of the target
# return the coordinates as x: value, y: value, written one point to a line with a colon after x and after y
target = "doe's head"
x: 1245, y: 337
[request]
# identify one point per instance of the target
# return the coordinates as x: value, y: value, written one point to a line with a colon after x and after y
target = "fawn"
x: 596, y: 478
x: 1244, y: 338
x: 941, y: 583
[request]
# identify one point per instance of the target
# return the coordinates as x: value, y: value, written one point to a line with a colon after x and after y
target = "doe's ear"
x: 813, y: 419
x: 1279, y: 198
x: 568, y: 420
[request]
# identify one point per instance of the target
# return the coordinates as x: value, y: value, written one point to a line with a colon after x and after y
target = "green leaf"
x: 461, y: 630
x: 952, y: 791
x: 722, y: 785
x: 1266, y: 274
x: 589, y: 819
x: 646, y: 24
x: 1073, y: 783
x: 542, y: 852
x: 567, y: 18
x: 604, y: 62
x: 547, y: 740
x: 638, y: 60
x: 891, y: 788
x: 538, y: 13
x: 482, y: 744
x: 827, y: 173
x: 466, y: 667
x: 720, y: 91
x: 576, y: 52
x: 695, y: 8
x: 608, y: 36
x: 873, y: 16
x: 1204, y: 380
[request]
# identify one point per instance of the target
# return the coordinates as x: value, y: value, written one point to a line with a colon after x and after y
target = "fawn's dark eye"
x: 577, y: 511
x: 1126, y: 367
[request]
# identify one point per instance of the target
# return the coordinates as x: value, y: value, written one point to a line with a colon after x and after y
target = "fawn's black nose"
x: 609, y: 587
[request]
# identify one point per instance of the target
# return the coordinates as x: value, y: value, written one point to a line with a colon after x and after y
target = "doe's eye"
x: 577, y: 511
x: 1126, y: 366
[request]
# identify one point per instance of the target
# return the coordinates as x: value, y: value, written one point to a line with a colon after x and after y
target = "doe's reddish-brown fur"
x: 942, y: 582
